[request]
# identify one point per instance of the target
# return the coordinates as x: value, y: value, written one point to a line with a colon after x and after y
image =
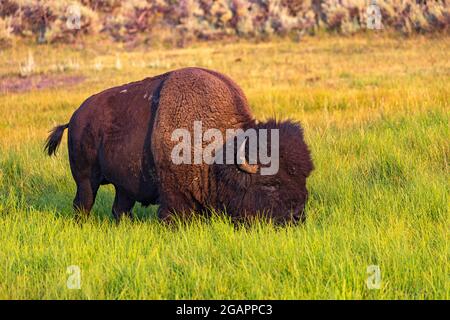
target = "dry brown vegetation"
x: 182, y: 21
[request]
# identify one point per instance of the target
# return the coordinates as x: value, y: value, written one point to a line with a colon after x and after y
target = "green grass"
x: 375, y: 112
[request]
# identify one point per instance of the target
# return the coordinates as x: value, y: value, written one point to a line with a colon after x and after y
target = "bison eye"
x: 269, y: 188
x: 292, y: 170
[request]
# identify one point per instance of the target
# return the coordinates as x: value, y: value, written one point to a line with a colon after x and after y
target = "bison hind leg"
x: 123, y: 204
x: 85, y: 197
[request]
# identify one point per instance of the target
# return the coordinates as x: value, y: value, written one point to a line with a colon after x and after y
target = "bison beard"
x: 122, y: 136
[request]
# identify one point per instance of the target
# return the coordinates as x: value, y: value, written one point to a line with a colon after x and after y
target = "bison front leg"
x: 172, y: 215
x: 165, y: 214
x: 123, y: 204
x: 174, y: 211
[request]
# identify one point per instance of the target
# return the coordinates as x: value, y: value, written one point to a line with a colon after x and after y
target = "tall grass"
x: 375, y: 112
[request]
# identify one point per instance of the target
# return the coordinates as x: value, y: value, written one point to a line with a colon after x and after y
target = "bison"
x: 123, y: 136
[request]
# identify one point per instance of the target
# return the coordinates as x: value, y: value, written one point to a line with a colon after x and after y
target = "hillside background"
x: 178, y: 22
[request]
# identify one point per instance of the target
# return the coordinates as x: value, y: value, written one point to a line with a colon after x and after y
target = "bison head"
x: 244, y: 192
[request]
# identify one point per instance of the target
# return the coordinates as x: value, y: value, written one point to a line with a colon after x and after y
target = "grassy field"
x: 376, y: 116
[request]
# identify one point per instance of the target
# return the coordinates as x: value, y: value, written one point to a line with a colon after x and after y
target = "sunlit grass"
x: 375, y: 112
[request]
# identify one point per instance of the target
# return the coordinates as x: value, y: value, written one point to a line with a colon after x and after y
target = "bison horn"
x: 243, y: 164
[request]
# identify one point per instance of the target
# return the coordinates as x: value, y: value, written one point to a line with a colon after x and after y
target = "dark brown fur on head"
x: 280, y: 197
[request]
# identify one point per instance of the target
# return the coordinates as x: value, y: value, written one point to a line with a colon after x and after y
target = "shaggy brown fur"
x: 123, y: 136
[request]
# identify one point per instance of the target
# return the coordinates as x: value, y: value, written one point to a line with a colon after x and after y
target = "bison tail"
x: 54, y: 139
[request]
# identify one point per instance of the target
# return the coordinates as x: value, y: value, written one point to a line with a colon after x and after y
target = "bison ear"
x: 242, y: 163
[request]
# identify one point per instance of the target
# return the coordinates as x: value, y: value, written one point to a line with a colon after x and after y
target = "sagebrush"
x: 181, y: 21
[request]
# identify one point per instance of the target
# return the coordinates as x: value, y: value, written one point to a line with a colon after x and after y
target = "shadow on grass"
x: 56, y: 195
x: 53, y: 198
